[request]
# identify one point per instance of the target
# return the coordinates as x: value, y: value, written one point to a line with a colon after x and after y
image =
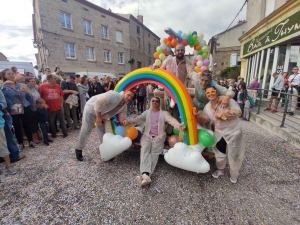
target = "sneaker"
x: 139, y: 180
x: 69, y: 129
x: 291, y: 113
x: 11, y: 170
x: 146, y: 179
x: 76, y: 127
x: 32, y: 144
x: 233, y: 180
x: 268, y: 109
x: 218, y: 173
x: 49, y: 140
x: 65, y: 135
x: 54, y: 135
x: 21, y: 147
x: 46, y: 143
x: 274, y: 111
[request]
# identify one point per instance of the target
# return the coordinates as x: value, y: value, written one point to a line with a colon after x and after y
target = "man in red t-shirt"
x: 53, y: 95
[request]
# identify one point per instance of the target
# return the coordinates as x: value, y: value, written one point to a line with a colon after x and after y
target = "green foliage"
x: 36, y: 67
x: 231, y: 72
x: 131, y: 61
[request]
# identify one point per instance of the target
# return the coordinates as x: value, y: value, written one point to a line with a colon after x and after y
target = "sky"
x: 209, y: 17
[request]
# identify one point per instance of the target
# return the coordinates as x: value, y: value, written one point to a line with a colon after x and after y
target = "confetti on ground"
x: 52, y: 187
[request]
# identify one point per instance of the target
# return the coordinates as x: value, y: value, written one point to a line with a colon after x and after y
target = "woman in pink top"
x: 153, y: 139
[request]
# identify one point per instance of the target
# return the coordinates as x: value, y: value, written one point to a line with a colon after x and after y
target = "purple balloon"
x: 179, y: 40
x: 206, y: 62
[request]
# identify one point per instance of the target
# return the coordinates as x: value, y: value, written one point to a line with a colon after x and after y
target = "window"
x: 107, y: 57
x: 120, y: 57
x: 119, y: 36
x: 118, y: 22
x: 64, y: 1
x: 103, y: 16
x: 138, y: 42
x: 139, y: 64
x: 90, y: 53
x: 70, y: 50
x: 138, y: 29
x: 149, y: 47
x: 154, y: 39
x: 148, y: 35
x: 65, y: 20
x: 85, y: 9
x: 104, y: 32
x: 87, y: 26
x: 150, y: 62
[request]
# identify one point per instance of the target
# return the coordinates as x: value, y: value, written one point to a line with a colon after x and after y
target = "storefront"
x: 273, y: 45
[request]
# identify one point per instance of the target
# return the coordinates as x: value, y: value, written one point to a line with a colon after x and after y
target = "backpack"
x: 251, y: 100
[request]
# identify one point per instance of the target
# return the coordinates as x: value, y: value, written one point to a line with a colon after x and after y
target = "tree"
x: 36, y: 67
x: 231, y: 72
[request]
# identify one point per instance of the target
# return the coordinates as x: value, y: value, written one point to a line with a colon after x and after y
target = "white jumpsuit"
x: 107, y: 104
x: 232, y: 132
x: 152, y: 147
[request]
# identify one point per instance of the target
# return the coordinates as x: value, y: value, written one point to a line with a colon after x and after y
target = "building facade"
x: 80, y: 36
x: 225, y: 48
x: 272, y: 40
x: 143, y: 42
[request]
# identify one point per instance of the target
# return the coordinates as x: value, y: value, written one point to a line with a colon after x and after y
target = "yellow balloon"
x: 197, y: 69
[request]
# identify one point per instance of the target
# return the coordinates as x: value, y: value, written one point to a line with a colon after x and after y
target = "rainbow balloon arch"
x: 174, y: 88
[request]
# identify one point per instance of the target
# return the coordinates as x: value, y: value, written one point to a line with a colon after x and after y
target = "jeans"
x: 68, y: 113
x: 44, y: 127
x: 60, y: 116
x: 10, y: 139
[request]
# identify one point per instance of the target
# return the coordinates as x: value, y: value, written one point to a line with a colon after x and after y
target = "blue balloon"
x: 139, y: 135
x: 179, y: 33
x: 195, y: 32
x: 120, y: 131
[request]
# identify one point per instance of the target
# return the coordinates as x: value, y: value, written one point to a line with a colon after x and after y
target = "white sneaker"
x: 218, y: 173
x: 233, y: 180
x: 21, y: 147
x: 146, y: 179
x: 139, y: 180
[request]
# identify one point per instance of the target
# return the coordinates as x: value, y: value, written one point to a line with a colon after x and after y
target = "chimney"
x: 140, y: 18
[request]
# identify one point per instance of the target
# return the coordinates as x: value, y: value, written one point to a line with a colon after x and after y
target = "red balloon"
x: 185, y: 42
x: 165, y: 51
x: 170, y: 38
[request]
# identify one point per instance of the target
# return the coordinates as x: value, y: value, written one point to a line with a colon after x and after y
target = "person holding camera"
x: 294, y: 89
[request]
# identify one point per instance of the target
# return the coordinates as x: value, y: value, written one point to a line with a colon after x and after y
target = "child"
x: 246, y: 109
x: 43, y: 119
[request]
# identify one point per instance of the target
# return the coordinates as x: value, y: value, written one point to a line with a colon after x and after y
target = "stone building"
x: 82, y: 37
x: 3, y: 57
x: 143, y: 42
x: 225, y: 48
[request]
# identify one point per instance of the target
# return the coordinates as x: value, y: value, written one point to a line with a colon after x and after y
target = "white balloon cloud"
x: 113, y: 145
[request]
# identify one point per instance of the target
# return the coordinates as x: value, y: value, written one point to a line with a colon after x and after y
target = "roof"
x: 102, y: 10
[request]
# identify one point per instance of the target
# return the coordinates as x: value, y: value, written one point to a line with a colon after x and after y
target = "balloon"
x: 196, y: 42
x: 162, y: 56
x: 179, y: 40
x: 203, y: 68
x: 139, y: 135
x: 194, y: 32
x: 199, y: 64
x: 169, y: 43
x: 159, y: 50
x: 139, y: 128
x: 179, y: 33
x: 161, y: 40
x: 191, y: 42
x: 189, y: 32
x: 206, y: 62
x: 131, y: 132
x: 195, y: 53
x: 202, y: 43
x: 165, y: 51
x: 156, y: 55
x: 200, y: 52
x: 175, y: 131
x: 205, y: 48
x: 157, y: 62
x: 174, y: 42
x: 195, y: 37
x: 119, y: 130
x: 204, y: 55
x: 188, y: 36
x: 183, y: 36
x: 197, y: 69
x: 170, y: 38
x: 166, y: 40
x: 185, y: 42
x: 205, y: 138
x: 173, y: 140
x: 163, y: 46
x: 199, y: 57
x: 198, y: 47
x: 200, y: 37
x: 195, y: 62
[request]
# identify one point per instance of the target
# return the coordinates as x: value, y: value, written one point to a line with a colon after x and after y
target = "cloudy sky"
x: 206, y: 16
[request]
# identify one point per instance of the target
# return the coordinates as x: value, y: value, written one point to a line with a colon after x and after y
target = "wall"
x: 230, y: 37
x: 255, y: 12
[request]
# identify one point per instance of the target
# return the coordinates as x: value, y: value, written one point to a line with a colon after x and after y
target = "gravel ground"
x: 52, y: 187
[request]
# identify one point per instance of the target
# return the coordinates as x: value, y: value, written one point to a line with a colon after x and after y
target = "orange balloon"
x: 173, y: 140
x: 169, y: 44
x: 156, y: 55
x: 165, y: 40
x: 198, y: 47
x: 131, y: 132
x: 174, y: 42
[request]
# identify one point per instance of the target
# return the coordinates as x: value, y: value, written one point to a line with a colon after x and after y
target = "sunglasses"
x: 157, y: 101
x: 211, y: 92
x: 180, y: 50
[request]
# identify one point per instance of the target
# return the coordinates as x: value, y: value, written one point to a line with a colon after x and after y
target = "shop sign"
x: 274, y: 34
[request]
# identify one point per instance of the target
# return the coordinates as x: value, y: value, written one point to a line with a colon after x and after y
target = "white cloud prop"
x: 187, y: 158
x: 113, y: 145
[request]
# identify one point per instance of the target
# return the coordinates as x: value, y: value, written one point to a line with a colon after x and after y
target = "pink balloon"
x: 203, y: 68
x: 199, y: 57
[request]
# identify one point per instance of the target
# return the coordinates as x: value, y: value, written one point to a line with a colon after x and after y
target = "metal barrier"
x: 286, y: 120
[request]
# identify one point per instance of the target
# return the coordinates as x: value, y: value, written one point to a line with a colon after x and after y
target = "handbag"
x: 18, y: 107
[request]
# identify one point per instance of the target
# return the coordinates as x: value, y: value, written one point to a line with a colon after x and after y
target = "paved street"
x: 52, y: 187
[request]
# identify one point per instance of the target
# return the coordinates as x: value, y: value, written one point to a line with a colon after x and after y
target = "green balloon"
x: 159, y: 50
x: 204, y: 55
x: 175, y: 131
x: 205, y: 138
x: 200, y: 52
x: 204, y: 48
x: 189, y: 36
